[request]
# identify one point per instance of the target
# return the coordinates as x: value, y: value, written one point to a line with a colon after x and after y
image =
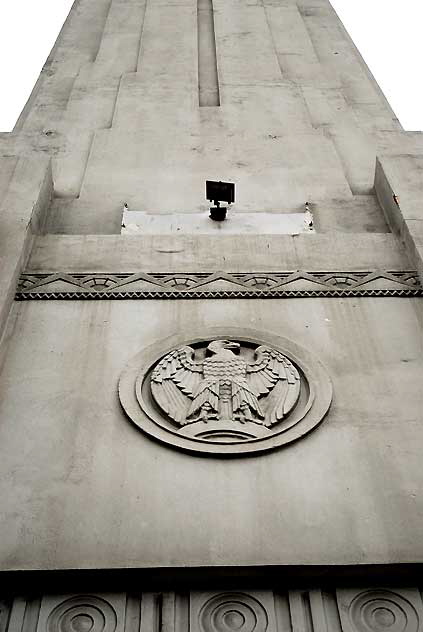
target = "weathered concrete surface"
x: 399, y: 187
x: 85, y: 488
x: 27, y: 191
x: 299, y: 117
x: 162, y: 253
x: 300, y: 120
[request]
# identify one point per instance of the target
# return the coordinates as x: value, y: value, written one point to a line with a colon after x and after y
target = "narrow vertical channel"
x: 208, y: 81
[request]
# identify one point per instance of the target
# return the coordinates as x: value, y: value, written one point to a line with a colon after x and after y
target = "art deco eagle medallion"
x: 224, y: 387
x: 225, y: 394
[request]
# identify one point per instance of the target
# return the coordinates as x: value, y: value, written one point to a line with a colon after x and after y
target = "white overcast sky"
x: 387, y: 32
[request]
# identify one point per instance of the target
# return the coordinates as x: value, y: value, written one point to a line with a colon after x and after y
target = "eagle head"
x: 218, y: 345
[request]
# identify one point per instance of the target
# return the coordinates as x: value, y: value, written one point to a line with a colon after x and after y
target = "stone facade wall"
x: 139, y: 103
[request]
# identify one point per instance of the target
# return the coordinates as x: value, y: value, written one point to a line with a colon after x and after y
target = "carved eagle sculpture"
x: 223, y: 386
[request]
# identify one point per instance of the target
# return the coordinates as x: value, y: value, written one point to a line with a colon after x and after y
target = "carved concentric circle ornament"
x: 83, y: 613
x: 233, y: 612
x: 229, y: 392
x: 383, y: 611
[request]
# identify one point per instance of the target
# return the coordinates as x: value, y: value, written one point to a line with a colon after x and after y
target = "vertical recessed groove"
x: 208, y: 80
x: 144, y: 12
x: 282, y: 613
x: 272, y: 37
x: 101, y: 34
x: 132, y: 613
x: 110, y: 125
x: 32, y: 612
x: 182, y: 612
x: 331, y: 611
x: 159, y: 613
x: 308, y: 619
x: 5, y: 610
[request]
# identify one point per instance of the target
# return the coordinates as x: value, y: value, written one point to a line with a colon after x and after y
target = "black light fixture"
x: 217, y: 192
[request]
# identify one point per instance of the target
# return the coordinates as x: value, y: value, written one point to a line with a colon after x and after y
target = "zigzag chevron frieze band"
x: 221, y: 285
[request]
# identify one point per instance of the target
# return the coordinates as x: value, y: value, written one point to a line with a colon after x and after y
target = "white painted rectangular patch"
x: 138, y: 222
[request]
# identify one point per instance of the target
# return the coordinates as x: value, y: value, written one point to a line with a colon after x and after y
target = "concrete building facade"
x: 207, y: 425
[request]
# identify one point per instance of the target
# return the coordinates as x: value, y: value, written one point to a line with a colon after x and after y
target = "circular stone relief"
x: 233, y: 612
x: 83, y: 613
x: 383, y: 611
x: 226, y: 391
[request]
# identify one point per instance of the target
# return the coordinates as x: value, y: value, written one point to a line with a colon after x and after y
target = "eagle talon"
x: 245, y: 415
x: 205, y: 415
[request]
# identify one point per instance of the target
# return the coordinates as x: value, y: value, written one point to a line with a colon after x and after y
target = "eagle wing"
x: 174, y: 381
x: 274, y: 375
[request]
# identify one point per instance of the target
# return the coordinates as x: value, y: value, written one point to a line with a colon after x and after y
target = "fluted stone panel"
x: 374, y: 609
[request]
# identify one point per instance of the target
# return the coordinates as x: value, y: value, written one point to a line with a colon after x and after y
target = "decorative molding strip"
x: 339, y: 610
x: 203, y: 285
